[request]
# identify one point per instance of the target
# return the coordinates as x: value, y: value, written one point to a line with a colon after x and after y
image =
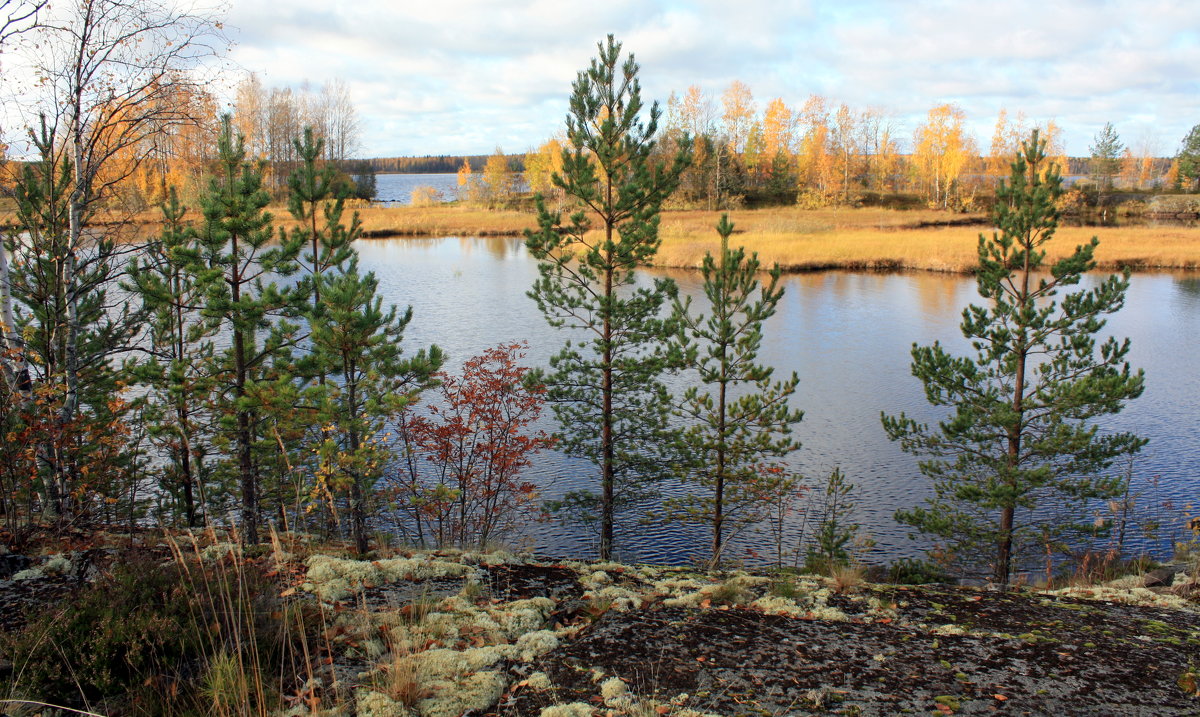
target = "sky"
x: 467, y: 76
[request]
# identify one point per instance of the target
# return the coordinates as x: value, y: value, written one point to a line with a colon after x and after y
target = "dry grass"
x: 886, y: 239
x: 443, y: 220
x: 799, y: 239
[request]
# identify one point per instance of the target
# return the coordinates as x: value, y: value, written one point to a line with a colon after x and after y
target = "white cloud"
x: 465, y: 75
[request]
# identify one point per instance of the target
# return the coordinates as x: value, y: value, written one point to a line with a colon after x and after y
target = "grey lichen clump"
x: 54, y: 565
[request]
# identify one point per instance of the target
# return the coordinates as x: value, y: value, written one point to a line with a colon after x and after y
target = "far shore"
x: 805, y: 239
x: 823, y: 239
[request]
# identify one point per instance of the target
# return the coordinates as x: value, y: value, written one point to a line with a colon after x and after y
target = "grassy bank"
x: 798, y: 239
x: 836, y: 238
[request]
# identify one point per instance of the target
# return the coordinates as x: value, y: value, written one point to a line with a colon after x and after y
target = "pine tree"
x: 1021, y: 436
x: 1105, y: 157
x: 360, y: 341
x: 741, y: 425
x: 1187, y: 177
x: 607, y: 392
x: 237, y: 239
x: 316, y: 200
x: 173, y: 285
x: 69, y: 328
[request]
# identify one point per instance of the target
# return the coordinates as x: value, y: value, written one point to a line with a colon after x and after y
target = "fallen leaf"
x: 1000, y: 697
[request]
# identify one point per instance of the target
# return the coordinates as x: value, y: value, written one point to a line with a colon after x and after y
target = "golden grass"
x: 882, y: 239
x: 443, y: 220
x: 797, y: 239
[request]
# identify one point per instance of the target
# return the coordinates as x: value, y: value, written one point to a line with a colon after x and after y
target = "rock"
x: 11, y: 564
x: 1162, y: 577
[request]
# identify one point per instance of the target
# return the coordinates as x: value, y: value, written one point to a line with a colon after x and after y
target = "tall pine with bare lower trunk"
x: 1019, y: 456
x: 606, y: 390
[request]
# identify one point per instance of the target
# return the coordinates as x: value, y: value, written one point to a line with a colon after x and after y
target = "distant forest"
x: 440, y: 164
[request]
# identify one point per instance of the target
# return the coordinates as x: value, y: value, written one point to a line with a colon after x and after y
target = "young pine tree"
x: 246, y: 302
x: 173, y: 284
x: 606, y: 391
x: 316, y: 199
x: 70, y: 328
x: 740, y: 426
x: 1020, y: 436
x: 360, y: 342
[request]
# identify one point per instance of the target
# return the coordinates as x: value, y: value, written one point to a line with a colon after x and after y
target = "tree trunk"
x: 607, y: 516
x: 1004, y: 546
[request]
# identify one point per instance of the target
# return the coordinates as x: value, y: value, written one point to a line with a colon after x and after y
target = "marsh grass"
x: 870, y: 238
x: 831, y: 238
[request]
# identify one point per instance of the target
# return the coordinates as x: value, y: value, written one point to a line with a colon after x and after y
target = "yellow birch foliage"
x: 813, y: 162
x: 1131, y: 169
x: 942, y: 150
x: 737, y: 104
x: 541, y: 165
x: 779, y: 128
x: 497, y: 178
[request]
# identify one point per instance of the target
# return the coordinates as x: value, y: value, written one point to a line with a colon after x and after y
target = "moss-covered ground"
x: 439, y: 634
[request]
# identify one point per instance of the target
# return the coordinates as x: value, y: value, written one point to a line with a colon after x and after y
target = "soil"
x: 871, y: 650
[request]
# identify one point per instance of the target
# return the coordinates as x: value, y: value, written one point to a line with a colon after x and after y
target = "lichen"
x: 779, y: 606
x: 573, y: 709
x: 369, y: 703
x: 535, y: 644
x: 333, y: 579
x: 539, y: 681
x: 474, y: 692
x: 614, y: 692
x: 1131, y: 596
x: 618, y: 598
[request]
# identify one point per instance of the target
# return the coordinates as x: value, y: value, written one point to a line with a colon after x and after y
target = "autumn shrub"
x: 425, y: 196
x: 460, y: 477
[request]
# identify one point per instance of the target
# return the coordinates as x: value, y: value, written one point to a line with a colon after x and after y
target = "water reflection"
x: 849, y: 336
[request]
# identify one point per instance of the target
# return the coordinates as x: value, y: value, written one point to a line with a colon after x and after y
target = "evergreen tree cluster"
x: 268, y: 370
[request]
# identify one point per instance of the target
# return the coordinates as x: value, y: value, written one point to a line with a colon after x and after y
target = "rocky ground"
x: 444, y: 634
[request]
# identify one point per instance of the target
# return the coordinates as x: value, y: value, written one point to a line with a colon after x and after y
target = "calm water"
x: 396, y: 189
x: 848, y: 335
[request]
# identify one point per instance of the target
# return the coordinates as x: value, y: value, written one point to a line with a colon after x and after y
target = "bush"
x: 143, y: 638
x: 425, y: 196
x: 914, y: 571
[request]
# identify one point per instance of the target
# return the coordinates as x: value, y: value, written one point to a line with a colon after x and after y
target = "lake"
x: 848, y: 335
x: 395, y: 190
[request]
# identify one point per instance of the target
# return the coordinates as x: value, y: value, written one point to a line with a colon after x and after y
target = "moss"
x: 949, y: 700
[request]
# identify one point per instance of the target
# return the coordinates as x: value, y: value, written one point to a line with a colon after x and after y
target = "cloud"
x: 455, y: 76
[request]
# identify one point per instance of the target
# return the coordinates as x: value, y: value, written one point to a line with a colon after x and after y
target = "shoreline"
x: 798, y: 240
